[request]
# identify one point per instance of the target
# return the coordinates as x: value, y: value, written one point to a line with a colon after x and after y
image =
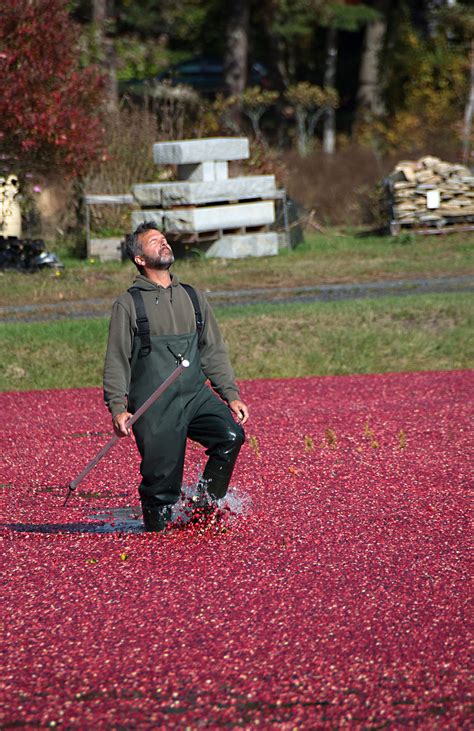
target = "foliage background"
x: 71, y: 112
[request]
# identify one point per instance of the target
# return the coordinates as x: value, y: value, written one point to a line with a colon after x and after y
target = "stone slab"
x: 194, y: 193
x: 210, y: 218
x: 284, y: 241
x: 105, y: 249
x: 150, y: 215
x: 183, y: 152
x: 238, y: 247
x: 204, y: 171
x: 95, y: 200
x: 221, y: 170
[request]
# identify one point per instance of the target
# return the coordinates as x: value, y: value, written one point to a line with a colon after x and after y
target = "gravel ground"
x: 332, y: 594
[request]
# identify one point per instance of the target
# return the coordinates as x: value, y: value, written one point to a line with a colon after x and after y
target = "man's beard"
x: 162, y: 262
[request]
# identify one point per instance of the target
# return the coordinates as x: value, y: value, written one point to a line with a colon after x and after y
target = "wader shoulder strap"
x: 143, y: 326
x: 197, y: 308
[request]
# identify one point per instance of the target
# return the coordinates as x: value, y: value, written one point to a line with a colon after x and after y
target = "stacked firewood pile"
x: 430, y: 195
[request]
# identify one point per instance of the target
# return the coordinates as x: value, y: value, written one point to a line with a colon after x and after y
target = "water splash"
x: 233, y: 506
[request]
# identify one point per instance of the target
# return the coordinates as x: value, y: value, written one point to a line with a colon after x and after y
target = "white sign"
x: 432, y: 199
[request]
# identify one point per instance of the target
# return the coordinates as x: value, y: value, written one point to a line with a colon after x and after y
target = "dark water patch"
x: 108, y: 520
x: 129, y: 519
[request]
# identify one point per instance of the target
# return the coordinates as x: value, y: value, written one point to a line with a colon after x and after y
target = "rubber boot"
x: 216, y: 478
x: 155, y: 517
x: 204, y: 508
x: 203, y: 501
x: 223, y: 438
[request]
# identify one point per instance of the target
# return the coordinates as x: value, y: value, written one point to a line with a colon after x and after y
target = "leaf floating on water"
x: 370, y: 435
x: 308, y: 443
x: 293, y: 470
x: 402, y: 439
x: 253, y: 444
x: 331, y: 438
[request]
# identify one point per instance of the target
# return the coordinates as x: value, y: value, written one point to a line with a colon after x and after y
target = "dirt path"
x: 97, y: 308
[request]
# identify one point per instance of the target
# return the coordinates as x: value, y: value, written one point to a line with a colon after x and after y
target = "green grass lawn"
x: 322, y: 259
x: 417, y: 332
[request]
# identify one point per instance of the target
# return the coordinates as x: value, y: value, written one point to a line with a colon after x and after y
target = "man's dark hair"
x: 132, y: 244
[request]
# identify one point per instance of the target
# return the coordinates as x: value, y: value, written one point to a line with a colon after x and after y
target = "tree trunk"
x: 235, y: 60
x: 329, y: 132
x: 102, y: 18
x: 301, y: 115
x: 277, y: 67
x: 369, y: 96
x: 277, y: 62
x: 468, y: 114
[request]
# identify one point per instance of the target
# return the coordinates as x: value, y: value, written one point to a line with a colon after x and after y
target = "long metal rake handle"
x: 146, y: 405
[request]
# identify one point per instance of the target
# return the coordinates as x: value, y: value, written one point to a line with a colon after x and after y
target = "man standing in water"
x: 153, y: 326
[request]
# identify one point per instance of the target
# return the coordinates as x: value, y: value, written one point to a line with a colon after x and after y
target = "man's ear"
x: 139, y: 261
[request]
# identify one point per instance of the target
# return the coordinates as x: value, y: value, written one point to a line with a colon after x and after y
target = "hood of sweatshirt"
x: 146, y: 284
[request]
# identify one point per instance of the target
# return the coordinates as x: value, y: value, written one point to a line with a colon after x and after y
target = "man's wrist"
x: 116, y: 409
x: 231, y: 395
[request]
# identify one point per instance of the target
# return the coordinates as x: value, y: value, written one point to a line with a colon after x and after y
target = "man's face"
x: 156, y: 252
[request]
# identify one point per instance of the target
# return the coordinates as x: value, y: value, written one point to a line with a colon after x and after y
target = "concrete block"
x: 105, y: 249
x: 167, y: 195
x: 183, y: 152
x: 221, y: 170
x: 237, y: 247
x: 119, y: 200
x: 210, y: 218
x: 149, y: 215
x: 203, y: 171
x: 283, y: 241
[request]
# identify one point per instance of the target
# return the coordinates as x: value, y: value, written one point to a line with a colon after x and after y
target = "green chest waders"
x: 187, y: 409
